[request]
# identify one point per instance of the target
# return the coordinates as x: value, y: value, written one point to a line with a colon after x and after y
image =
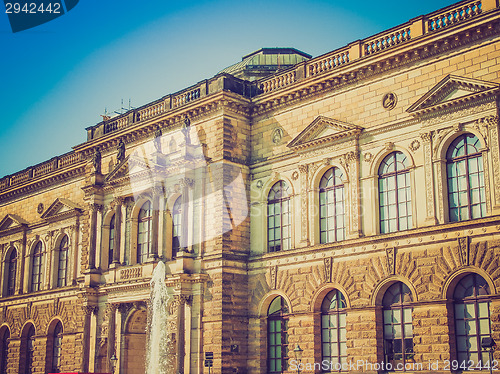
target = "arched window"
x: 333, y: 330
x: 144, y: 232
x: 331, y: 206
x: 11, y: 273
x: 4, y: 349
x: 278, y: 218
x: 394, y: 193
x: 466, y: 192
x: 398, y: 328
x: 277, y: 336
x: 111, y: 239
x: 36, y: 268
x: 30, y: 350
x: 56, y: 348
x: 176, y: 227
x: 472, y: 318
x: 63, y: 262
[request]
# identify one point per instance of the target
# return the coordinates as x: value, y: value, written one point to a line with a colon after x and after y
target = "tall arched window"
x: 333, y: 330
x: 63, y: 262
x: 394, y: 193
x: 36, y: 267
x: 111, y: 239
x: 278, y: 218
x: 56, y: 348
x: 30, y: 350
x: 277, y: 336
x: 472, y: 318
x: 331, y: 206
x: 11, y: 273
x: 398, y: 328
x: 144, y: 232
x: 466, y: 192
x: 176, y: 226
x: 4, y: 349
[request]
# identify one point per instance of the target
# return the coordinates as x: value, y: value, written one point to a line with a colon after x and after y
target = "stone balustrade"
x: 454, y: 15
x: 331, y: 61
x: 150, y: 111
x: 277, y: 82
x: 387, y: 41
x: 186, y: 97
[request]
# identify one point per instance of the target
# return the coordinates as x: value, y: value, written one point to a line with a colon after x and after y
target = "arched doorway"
x: 135, y: 343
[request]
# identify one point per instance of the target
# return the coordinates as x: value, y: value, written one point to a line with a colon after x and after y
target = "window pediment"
x: 323, y: 130
x: 12, y: 222
x: 61, y: 208
x: 453, y: 90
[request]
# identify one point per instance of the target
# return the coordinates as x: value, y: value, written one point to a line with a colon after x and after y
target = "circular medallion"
x: 389, y: 101
x: 277, y: 135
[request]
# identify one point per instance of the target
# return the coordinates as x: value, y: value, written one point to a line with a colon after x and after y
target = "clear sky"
x: 57, y: 78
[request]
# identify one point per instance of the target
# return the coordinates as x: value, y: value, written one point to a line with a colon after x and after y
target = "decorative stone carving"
x: 295, y: 175
x: 39, y: 208
x: 277, y: 135
x: 274, y: 272
x: 328, y: 268
x: 368, y: 157
x: 414, y: 145
x: 389, y: 101
x: 464, y: 250
x: 391, y: 260
x: 96, y: 161
x: 121, y: 151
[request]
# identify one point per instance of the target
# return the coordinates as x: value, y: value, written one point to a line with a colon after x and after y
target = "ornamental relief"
x: 454, y: 113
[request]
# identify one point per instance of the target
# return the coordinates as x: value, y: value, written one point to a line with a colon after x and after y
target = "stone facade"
x: 108, y: 211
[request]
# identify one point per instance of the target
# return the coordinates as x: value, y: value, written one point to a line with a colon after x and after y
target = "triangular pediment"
x: 12, y: 221
x: 61, y: 208
x: 452, y: 90
x: 323, y: 130
x: 119, y: 171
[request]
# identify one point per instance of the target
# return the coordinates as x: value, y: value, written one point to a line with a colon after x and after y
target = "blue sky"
x: 59, y: 77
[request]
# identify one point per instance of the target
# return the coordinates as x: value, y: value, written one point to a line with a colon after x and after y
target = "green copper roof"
x: 265, y: 61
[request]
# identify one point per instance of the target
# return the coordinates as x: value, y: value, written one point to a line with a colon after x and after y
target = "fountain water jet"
x: 159, y: 359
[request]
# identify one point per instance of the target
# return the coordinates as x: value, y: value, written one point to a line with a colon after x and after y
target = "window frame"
x: 57, y: 336
x: 452, y: 163
x: 4, y: 357
x: 277, y: 318
x: 473, y: 300
x: 281, y: 201
x: 11, y: 275
x: 37, y: 267
x: 111, y: 239
x: 62, y: 262
x: 144, y: 227
x: 324, y: 191
x: 401, y: 306
x: 382, y: 177
x: 176, y: 226
x: 338, y: 312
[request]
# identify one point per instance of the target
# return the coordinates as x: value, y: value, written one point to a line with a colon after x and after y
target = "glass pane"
x: 470, y: 311
x: 483, y: 310
x: 484, y: 326
x: 396, y: 315
x: 470, y: 327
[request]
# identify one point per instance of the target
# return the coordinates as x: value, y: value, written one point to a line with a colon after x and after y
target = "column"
x: 157, y: 193
x: 304, y: 224
x: 111, y: 312
x: 118, y: 231
x: 93, y: 209
x: 430, y: 216
x: 180, y: 301
x: 352, y: 161
x: 88, y: 310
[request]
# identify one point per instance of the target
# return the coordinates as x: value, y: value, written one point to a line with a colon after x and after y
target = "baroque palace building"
x: 348, y: 204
